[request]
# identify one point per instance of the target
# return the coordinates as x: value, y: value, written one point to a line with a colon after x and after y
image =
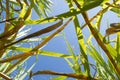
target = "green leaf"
x: 75, y: 66
x: 99, y: 59
x: 15, y: 66
x: 116, y: 10
x: 89, y: 4
x: 59, y: 78
x: 21, y: 15
x: 82, y: 46
x: 41, y: 52
x: 38, y: 11
x: 22, y: 76
x: 4, y: 66
x: 81, y: 2
x: 117, y: 45
x: 69, y: 63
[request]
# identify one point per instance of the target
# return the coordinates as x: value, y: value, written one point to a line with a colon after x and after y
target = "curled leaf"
x: 21, y: 5
x: 115, y: 25
x: 114, y: 28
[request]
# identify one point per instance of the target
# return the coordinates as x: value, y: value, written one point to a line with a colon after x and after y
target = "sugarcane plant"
x: 15, y: 18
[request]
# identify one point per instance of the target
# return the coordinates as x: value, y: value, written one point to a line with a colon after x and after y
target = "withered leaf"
x: 114, y: 28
